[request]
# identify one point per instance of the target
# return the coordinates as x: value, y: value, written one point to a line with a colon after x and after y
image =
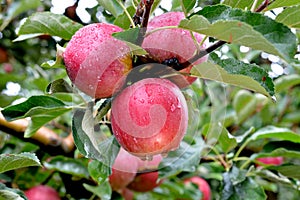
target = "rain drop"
x: 173, y: 107
x: 146, y: 158
x: 164, y: 154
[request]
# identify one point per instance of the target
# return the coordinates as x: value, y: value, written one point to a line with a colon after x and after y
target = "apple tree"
x: 150, y: 99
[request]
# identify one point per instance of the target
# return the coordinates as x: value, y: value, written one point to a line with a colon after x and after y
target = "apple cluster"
x: 149, y: 116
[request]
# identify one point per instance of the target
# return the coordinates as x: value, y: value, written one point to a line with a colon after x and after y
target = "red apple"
x: 203, y: 186
x: 123, y: 170
x: 42, y: 192
x: 8, y: 68
x: 149, y: 117
x: 95, y: 61
x: 127, y: 194
x: 172, y: 43
x: 271, y: 160
x: 147, y: 180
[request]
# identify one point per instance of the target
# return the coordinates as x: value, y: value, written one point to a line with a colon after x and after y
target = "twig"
x: 47, y: 139
x: 141, y: 18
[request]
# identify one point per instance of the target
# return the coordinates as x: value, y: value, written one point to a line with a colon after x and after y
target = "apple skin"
x: 271, y: 160
x: 147, y: 180
x: 203, y: 186
x: 123, y: 170
x: 172, y: 43
x: 42, y: 192
x: 149, y: 117
x: 96, y: 62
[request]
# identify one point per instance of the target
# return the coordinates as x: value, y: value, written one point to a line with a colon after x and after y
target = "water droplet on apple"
x: 91, y: 87
x: 164, y: 154
x: 173, y: 107
x: 146, y: 158
x: 141, y: 100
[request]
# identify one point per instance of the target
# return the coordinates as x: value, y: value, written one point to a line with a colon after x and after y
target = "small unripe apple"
x: 42, y: 192
x: 203, y: 186
x: 123, y: 170
x: 149, y: 117
x: 172, y: 43
x: 271, y: 160
x: 96, y: 62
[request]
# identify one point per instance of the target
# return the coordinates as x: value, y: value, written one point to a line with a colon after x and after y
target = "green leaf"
x: 50, y: 24
x: 7, y: 193
x: 291, y: 171
x: 280, y: 148
x: 41, y: 109
x: 244, y: 103
x: 215, y: 72
x: 112, y: 6
x: 185, y: 158
x: 99, y: 171
x: 89, y: 139
x: 245, y: 28
x: 59, y: 85
x: 218, y: 132
x: 238, y: 186
x: 16, y: 8
x: 241, y: 4
x: 283, y: 83
x: 254, y: 71
x: 103, y: 190
x: 188, y: 5
x: 131, y: 36
x: 290, y: 16
x: 122, y: 20
x: 58, y: 63
x: 67, y: 166
x: 275, y: 133
x: 283, y: 3
x: 16, y: 161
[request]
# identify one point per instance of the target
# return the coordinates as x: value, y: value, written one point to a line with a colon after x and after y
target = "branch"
x: 47, y: 139
x: 141, y: 18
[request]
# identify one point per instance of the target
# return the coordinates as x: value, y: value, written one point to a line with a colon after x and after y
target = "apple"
x: 147, y: 179
x: 8, y: 68
x: 127, y: 194
x: 149, y: 117
x: 97, y: 63
x: 203, y: 186
x: 270, y: 160
x: 123, y: 170
x: 42, y: 192
x: 172, y: 45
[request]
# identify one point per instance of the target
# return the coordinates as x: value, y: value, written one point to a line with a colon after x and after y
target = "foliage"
x: 239, y: 108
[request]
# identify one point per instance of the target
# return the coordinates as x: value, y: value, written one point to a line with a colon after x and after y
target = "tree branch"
x: 141, y: 18
x: 47, y: 139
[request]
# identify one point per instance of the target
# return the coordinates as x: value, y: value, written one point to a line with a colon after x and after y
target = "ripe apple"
x: 42, y: 192
x: 127, y: 194
x: 203, y: 186
x: 147, y: 180
x: 96, y: 62
x: 123, y: 170
x: 173, y: 44
x: 271, y: 160
x: 149, y: 117
x: 8, y: 68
